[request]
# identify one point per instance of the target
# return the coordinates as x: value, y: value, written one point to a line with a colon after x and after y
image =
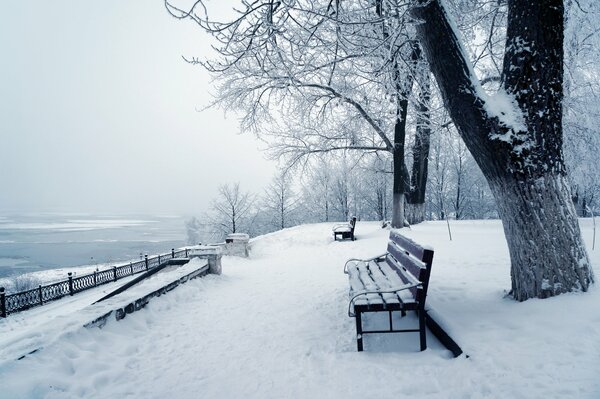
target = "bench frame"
x: 345, y: 234
x: 401, y: 256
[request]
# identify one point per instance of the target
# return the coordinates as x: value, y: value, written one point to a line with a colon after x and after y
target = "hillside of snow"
x: 275, y: 325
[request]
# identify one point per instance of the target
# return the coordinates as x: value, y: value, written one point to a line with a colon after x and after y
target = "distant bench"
x: 394, y: 281
x: 344, y: 230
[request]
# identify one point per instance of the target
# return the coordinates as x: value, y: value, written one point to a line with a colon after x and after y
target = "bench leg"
x: 422, y: 335
x: 359, y: 339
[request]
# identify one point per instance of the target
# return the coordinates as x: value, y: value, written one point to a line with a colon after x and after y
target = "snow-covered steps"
x: 25, y: 333
x: 121, y: 311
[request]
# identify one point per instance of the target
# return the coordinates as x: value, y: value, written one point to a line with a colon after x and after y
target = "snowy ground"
x: 275, y: 326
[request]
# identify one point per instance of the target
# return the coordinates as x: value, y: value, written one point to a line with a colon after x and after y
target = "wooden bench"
x: 344, y: 230
x: 394, y: 281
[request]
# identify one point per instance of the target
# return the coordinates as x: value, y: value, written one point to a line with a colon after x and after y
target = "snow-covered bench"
x: 394, y: 281
x: 344, y: 230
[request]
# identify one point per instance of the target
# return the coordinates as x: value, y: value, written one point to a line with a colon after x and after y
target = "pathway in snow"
x: 275, y: 326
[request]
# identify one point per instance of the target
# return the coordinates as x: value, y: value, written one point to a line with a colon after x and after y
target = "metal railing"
x: 72, y: 285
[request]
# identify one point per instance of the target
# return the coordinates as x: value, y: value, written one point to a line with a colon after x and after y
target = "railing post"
x: 159, y: 259
x: 131, y: 267
x: 95, y: 278
x: 70, y: 283
x: 115, y: 273
x: 172, y: 252
x: 40, y: 293
x: 146, y: 260
x: 2, y: 302
x: 186, y: 253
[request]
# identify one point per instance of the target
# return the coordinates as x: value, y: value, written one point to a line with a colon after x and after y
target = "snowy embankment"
x: 275, y: 326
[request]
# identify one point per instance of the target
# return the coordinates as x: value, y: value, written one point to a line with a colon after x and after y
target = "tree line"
x: 334, y: 190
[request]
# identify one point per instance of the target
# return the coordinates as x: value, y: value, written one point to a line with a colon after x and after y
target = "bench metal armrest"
x: 379, y: 257
x: 388, y: 291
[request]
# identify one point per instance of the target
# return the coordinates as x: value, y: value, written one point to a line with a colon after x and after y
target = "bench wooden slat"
x: 417, y: 250
x: 360, y: 281
x: 371, y: 283
x: 405, y: 277
x: 383, y: 284
x: 378, y: 277
x: 410, y: 263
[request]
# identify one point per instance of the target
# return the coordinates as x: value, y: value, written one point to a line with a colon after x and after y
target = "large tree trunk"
x: 399, y: 168
x: 415, y: 199
x: 541, y: 229
x: 518, y: 146
x: 414, y: 212
x: 401, y: 176
x: 403, y: 86
x: 399, y: 186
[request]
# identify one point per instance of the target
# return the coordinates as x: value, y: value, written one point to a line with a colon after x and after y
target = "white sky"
x: 98, y: 112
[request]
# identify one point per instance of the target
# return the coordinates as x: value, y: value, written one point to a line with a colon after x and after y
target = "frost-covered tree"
x: 417, y: 184
x: 193, y: 229
x: 516, y: 138
x: 582, y: 100
x: 279, y: 202
x: 232, y: 209
x: 326, y: 66
x: 376, y: 192
x: 315, y: 203
x: 438, y: 198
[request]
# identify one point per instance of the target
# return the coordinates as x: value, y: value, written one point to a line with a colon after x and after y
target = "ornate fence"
x: 45, y: 293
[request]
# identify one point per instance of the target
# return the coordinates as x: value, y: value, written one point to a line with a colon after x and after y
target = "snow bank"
x: 275, y: 326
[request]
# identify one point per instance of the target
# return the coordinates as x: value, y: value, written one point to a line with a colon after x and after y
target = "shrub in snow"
x: 24, y: 283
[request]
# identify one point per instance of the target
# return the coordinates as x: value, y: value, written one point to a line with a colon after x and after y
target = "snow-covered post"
x: 146, y: 260
x: 40, y: 294
x: 236, y: 244
x: 115, y: 273
x: 594, y: 239
x: 172, y: 252
x: 212, y: 253
x: 2, y: 302
x: 70, y: 283
x: 448, y: 223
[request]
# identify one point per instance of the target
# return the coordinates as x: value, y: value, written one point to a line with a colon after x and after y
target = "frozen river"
x: 38, y: 242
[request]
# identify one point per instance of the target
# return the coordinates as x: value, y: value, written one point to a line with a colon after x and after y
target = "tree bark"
x: 522, y: 162
x: 399, y: 186
x: 401, y: 176
x: 415, y: 199
x: 541, y: 230
x: 414, y: 212
x: 403, y: 89
x: 458, y: 211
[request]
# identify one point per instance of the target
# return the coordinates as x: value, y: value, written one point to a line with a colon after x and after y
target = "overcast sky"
x: 98, y: 112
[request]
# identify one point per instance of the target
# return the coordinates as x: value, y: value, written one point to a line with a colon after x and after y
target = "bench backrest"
x: 411, y: 261
x: 353, y: 222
